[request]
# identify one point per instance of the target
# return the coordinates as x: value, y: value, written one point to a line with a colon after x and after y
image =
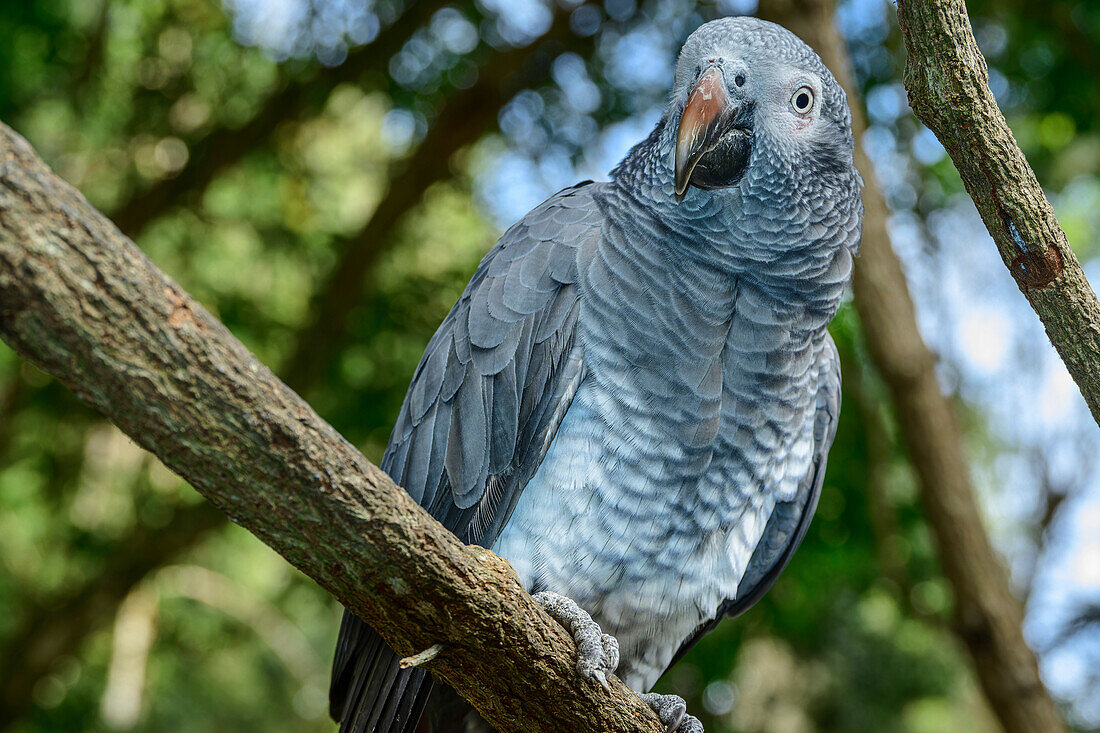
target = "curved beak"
x: 703, y: 123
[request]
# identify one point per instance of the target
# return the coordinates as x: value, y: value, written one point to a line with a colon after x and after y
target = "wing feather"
x: 483, y: 406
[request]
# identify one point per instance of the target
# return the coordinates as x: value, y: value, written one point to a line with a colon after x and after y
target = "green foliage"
x: 116, y: 94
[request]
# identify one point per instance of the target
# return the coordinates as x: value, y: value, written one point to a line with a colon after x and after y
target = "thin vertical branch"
x: 987, y: 617
x: 948, y: 84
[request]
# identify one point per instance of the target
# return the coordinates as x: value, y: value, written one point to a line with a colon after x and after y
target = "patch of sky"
x: 295, y: 29
x: 863, y: 20
x: 518, y: 22
x: 886, y: 103
x: 998, y: 84
x: 579, y: 91
x: 737, y: 7
x: 926, y: 147
x: 453, y: 31
x: 641, y: 58
x: 521, y: 121
x: 398, y: 130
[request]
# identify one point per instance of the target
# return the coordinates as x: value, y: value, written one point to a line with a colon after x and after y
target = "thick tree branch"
x: 948, y: 84
x: 60, y: 629
x: 81, y: 301
x: 987, y: 616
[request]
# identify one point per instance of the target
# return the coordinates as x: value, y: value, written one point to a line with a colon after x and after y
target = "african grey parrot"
x: 633, y: 399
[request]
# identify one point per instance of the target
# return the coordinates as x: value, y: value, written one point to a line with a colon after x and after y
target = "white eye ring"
x: 802, y: 101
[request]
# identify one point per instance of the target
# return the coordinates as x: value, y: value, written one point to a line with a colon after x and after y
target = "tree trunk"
x: 82, y: 302
x: 987, y: 616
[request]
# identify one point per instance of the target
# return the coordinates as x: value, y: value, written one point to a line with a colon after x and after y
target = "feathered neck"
x: 647, y: 168
x: 793, y: 237
x: 646, y: 174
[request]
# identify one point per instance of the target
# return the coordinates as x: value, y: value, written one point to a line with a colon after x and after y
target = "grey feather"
x: 634, y: 398
x: 461, y: 422
x: 790, y: 520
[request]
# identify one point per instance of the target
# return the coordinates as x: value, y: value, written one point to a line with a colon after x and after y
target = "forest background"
x: 324, y: 176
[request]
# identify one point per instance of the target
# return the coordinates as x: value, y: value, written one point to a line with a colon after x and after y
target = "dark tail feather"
x: 370, y: 693
x: 449, y: 713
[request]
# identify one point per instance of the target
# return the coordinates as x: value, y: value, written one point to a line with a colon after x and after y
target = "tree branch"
x: 948, y: 84
x: 81, y: 301
x: 59, y: 629
x: 987, y: 616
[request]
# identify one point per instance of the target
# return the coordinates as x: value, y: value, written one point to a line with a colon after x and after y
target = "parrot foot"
x: 597, y: 652
x: 672, y: 710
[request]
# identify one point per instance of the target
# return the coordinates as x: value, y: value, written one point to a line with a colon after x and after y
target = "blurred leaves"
x: 248, y: 146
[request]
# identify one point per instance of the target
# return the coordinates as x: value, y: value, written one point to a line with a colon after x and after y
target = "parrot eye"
x: 802, y: 101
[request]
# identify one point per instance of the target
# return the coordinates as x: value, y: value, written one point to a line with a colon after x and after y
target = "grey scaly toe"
x: 597, y: 652
x: 672, y: 711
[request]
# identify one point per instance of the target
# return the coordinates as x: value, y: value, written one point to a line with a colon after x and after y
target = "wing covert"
x: 482, y: 408
x: 501, y: 359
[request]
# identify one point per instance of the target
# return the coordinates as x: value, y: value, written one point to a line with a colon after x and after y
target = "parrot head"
x: 750, y: 94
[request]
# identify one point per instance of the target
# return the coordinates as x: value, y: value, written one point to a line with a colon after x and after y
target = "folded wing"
x: 483, y: 407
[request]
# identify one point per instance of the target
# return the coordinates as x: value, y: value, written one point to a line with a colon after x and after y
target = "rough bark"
x: 987, y: 617
x: 83, y: 303
x: 948, y: 84
x: 464, y: 117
